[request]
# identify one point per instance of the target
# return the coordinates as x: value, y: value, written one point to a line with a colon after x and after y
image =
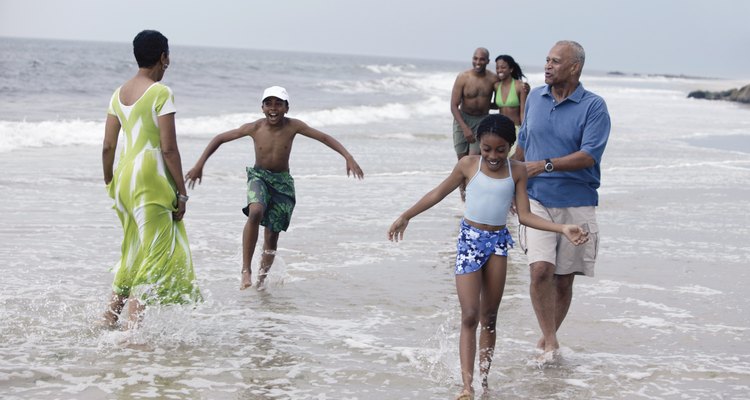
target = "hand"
x: 469, y: 135
x: 353, y: 168
x: 534, y: 168
x: 177, y: 215
x: 194, y: 174
x: 396, y: 231
x: 576, y: 234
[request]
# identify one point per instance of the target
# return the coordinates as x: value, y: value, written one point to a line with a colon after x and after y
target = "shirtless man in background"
x: 470, y: 103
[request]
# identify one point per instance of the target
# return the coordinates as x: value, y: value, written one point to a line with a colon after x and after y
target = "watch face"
x: 548, y: 167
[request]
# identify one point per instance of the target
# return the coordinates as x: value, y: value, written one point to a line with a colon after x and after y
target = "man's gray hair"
x: 578, y: 53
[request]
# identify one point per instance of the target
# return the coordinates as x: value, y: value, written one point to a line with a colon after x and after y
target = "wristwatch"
x: 548, y: 166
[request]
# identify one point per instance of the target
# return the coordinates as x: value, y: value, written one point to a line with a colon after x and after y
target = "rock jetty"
x: 741, y: 95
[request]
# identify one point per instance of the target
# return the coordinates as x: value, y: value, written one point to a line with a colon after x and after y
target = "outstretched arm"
x: 196, y: 173
x: 574, y: 233
x: 434, y: 196
x: 351, y: 165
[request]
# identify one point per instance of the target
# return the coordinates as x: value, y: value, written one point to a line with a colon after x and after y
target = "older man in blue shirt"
x: 562, y: 139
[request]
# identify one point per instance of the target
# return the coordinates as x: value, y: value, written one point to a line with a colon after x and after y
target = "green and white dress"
x: 156, y: 265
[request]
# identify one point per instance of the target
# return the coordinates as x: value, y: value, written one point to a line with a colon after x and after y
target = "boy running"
x: 270, y: 187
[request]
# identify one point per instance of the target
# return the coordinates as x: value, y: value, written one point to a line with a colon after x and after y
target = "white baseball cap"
x: 275, y: 91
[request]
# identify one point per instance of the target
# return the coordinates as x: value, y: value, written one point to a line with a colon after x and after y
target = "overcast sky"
x: 700, y: 38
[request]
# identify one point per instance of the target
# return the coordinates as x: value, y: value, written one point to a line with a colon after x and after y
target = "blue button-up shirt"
x: 552, y: 130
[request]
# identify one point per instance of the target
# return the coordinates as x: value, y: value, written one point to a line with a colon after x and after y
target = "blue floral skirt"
x: 475, y: 246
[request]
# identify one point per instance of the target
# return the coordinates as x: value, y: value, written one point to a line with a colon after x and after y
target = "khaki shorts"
x: 460, y: 144
x: 555, y: 248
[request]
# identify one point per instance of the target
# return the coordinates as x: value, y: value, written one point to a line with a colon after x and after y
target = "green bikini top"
x: 511, y: 100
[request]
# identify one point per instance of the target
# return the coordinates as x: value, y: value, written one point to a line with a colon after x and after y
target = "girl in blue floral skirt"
x: 493, y: 183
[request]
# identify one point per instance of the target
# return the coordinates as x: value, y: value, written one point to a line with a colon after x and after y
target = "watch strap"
x: 548, y: 166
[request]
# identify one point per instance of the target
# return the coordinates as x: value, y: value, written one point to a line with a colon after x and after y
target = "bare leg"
x: 493, y: 285
x: 249, y: 240
x: 564, y: 296
x: 270, y: 244
x: 135, y: 311
x: 543, y: 299
x: 564, y: 284
x: 468, y: 287
x: 112, y: 314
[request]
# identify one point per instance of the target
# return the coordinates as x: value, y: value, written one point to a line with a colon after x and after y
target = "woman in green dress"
x: 148, y: 189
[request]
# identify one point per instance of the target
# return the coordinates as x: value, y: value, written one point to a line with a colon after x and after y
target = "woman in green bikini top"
x: 510, y: 96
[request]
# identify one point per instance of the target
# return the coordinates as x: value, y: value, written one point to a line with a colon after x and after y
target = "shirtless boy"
x: 270, y: 187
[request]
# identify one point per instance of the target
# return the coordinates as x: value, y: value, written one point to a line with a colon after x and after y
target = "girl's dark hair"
x: 148, y: 46
x: 516, y: 74
x: 497, y: 124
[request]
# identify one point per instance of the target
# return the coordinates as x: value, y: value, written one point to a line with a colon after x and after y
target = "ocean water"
x: 347, y: 314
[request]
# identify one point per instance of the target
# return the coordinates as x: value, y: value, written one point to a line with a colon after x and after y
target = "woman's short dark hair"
x: 499, y: 125
x: 148, y: 46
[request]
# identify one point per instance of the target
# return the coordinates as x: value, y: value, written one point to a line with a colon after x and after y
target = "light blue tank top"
x: 488, y: 199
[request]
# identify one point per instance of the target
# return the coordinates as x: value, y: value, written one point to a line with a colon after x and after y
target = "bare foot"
x: 262, y: 273
x: 246, y: 279
x: 542, y: 345
x: 111, y: 316
x: 109, y: 320
x: 466, y: 394
x: 547, y: 358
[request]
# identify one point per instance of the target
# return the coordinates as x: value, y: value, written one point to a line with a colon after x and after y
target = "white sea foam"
x: 643, y: 322
x: 699, y: 290
x: 638, y: 375
x: 390, y: 68
x: 15, y: 135
x: 739, y: 133
x: 577, y: 382
x: 360, y: 115
x: 406, y: 82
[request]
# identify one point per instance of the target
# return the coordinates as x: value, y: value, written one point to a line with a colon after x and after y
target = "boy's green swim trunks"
x: 275, y: 191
